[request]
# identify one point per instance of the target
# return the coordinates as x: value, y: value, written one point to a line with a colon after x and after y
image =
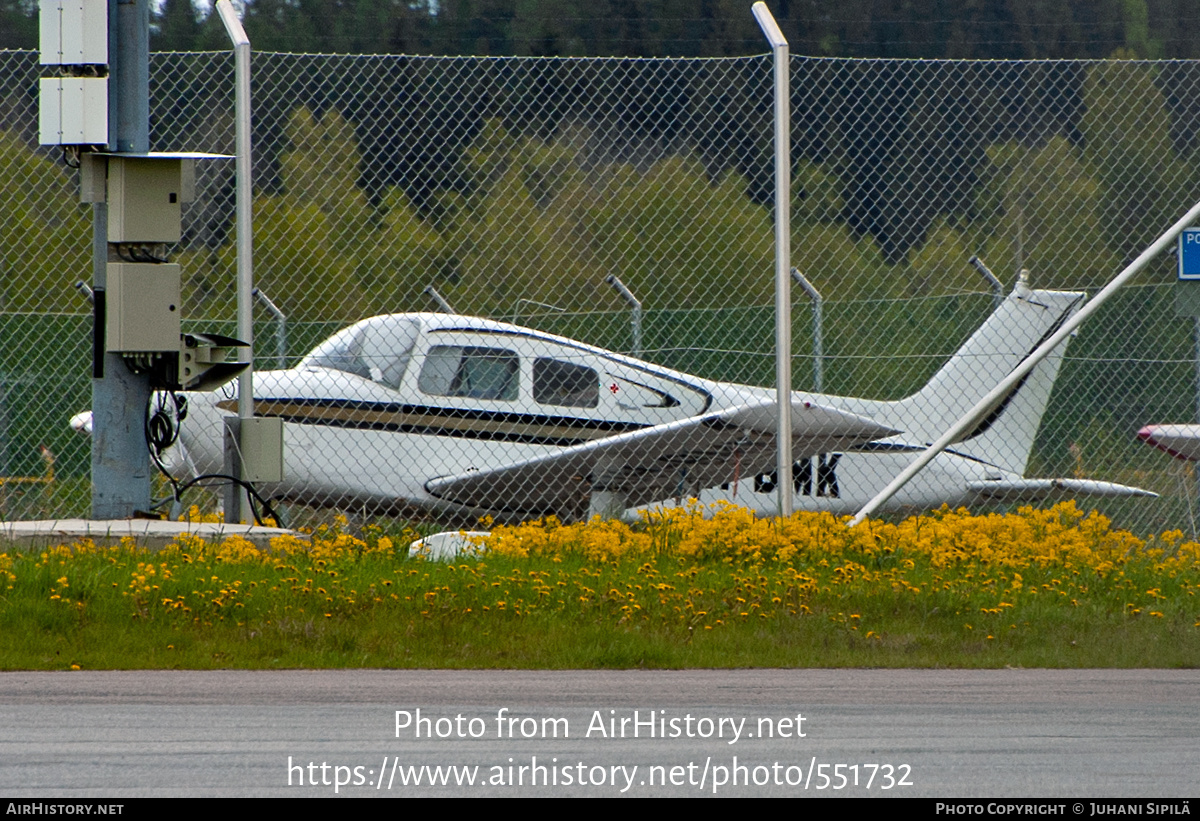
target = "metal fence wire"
x: 522, y: 190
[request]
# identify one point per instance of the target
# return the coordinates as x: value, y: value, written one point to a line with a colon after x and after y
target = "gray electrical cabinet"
x: 73, y: 111
x: 262, y: 449
x: 73, y: 104
x: 143, y: 307
x: 146, y: 196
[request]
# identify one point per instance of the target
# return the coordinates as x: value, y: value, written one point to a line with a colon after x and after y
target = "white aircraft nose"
x: 449, y: 544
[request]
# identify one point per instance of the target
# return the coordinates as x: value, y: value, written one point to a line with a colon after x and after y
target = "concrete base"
x: 147, y: 533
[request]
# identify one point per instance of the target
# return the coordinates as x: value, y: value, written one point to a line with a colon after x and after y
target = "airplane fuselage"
x: 382, y: 460
x: 841, y: 483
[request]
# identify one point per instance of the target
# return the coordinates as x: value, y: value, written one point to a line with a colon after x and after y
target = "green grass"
x: 398, y: 639
x: 346, y: 603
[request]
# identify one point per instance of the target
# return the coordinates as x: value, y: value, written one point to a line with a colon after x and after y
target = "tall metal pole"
x: 783, y: 254
x: 244, y: 207
x: 120, y: 461
x: 1196, y: 366
x: 244, y: 202
x: 4, y: 471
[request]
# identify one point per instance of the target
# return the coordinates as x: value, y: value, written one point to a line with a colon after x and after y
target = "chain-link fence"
x: 520, y: 189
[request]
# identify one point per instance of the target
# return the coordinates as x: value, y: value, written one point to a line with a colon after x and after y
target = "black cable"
x: 267, y: 510
x: 162, y: 427
x: 139, y: 253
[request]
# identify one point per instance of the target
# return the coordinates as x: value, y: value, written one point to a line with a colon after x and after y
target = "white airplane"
x: 1181, y: 441
x: 462, y: 417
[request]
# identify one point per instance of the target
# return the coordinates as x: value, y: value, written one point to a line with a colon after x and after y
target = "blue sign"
x: 1189, y: 254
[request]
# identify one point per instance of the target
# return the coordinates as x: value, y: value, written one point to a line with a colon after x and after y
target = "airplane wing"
x: 1181, y: 441
x: 670, y: 460
x: 1031, y: 490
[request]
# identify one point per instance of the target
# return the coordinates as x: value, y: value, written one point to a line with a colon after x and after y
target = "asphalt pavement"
x: 949, y: 734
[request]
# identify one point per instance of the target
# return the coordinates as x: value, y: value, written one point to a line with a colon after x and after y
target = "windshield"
x: 378, y: 349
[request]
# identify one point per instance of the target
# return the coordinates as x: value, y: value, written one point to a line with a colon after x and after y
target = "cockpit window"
x: 341, y: 353
x: 562, y: 383
x: 387, y: 348
x: 478, y: 373
x: 378, y: 349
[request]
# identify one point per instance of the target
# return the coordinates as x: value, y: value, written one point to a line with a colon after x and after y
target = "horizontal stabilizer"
x: 1181, y: 441
x: 1032, y: 490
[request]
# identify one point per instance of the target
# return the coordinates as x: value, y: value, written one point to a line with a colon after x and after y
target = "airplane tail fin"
x: 1004, y: 437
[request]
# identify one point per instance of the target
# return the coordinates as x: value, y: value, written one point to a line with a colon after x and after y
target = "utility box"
x: 253, y: 451
x: 73, y: 32
x: 73, y: 108
x: 142, y: 308
x: 73, y: 111
x: 146, y: 196
x: 262, y: 449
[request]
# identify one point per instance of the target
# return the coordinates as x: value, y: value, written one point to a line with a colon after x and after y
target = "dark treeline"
x: 955, y: 29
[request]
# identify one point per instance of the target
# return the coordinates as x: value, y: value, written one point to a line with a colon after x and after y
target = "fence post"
x: 635, y: 317
x: 245, y: 230
x: 783, y: 253
x: 280, y: 328
x: 817, y: 334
